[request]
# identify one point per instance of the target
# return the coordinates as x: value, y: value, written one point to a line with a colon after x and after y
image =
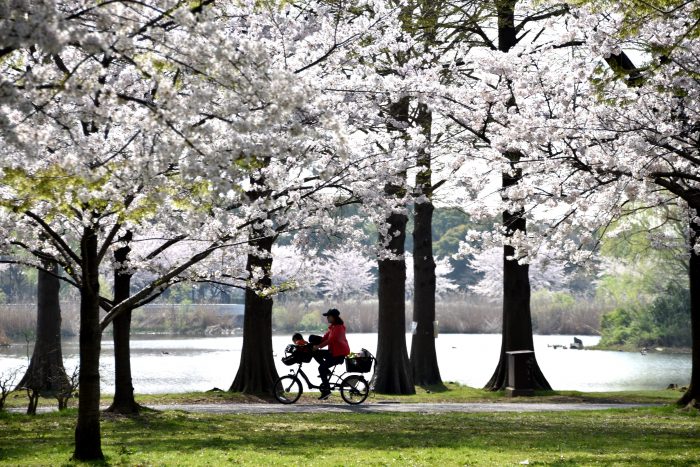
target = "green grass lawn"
x: 647, y: 436
x: 451, y: 392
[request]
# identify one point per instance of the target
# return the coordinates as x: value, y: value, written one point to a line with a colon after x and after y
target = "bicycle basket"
x: 359, y: 364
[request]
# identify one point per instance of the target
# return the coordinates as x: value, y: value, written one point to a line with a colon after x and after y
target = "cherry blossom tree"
x: 293, y: 270
x: 603, y: 136
x: 443, y: 284
x: 485, y: 108
x: 545, y: 273
x: 112, y: 128
x: 339, y: 37
x: 625, y: 134
x: 345, y: 274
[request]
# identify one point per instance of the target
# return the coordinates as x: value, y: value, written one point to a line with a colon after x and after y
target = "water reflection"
x: 180, y: 364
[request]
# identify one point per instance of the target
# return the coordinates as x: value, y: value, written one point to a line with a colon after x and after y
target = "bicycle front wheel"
x: 287, y: 389
x: 354, y: 389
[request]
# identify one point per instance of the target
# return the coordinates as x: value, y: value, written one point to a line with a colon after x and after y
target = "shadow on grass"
x: 609, y: 437
x: 658, y: 436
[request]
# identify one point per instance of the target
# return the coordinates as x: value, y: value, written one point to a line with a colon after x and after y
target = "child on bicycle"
x: 301, y: 345
x: 338, y: 349
x: 298, y: 339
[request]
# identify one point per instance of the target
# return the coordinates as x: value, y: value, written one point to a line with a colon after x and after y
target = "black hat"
x: 332, y: 312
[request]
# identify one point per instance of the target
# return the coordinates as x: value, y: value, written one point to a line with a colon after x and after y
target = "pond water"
x: 163, y: 364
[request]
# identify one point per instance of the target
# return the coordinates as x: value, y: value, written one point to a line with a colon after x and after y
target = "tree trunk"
x: 692, y: 395
x: 87, y: 432
x: 393, y: 369
x: 46, y: 375
x: 424, y: 365
x: 123, y: 402
x: 517, y: 320
x: 257, y: 373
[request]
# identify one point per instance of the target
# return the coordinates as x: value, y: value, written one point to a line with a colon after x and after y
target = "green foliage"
x: 664, y: 322
x: 450, y: 227
x: 638, y: 12
x: 311, y: 321
x: 446, y: 218
x: 49, y: 185
x: 625, y: 327
x: 280, y: 318
x: 635, y: 244
x: 562, y: 300
x: 448, y: 243
x: 65, y: 194
x: 180, y: 293
x: 299, y: 320
x: 106, y: 289
x: 631, y: 288
x: 670, y: 313
x: 644, y: 279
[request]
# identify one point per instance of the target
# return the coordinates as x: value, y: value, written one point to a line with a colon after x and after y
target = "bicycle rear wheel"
x: 354, y: 389
x: 287, y: 389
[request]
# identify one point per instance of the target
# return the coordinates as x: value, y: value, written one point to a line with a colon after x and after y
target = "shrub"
x: 311, y: 322
x: 663, y: 322
x: 670, y: 312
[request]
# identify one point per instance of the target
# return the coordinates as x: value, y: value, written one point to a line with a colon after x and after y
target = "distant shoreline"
x: 626, y: 348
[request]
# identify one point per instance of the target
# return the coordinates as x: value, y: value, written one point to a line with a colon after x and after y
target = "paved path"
x: 377, y: 407
x: 392, y: 407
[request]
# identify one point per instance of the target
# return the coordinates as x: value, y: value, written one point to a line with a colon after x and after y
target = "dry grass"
x: 456, y: 313
x: 177, y: 319
x: 18, y: 322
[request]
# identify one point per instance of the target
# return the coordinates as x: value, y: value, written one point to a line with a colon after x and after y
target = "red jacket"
x: 335, y: 339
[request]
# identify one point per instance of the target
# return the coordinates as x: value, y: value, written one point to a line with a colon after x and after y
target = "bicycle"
x: 354, y: 388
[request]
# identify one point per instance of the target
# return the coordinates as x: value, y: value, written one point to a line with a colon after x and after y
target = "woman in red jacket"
x: 338, y: 349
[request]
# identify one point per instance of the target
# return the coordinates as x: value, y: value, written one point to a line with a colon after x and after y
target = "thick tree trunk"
x: 517, y: 320
x: 424, y: 365
x: 123, y: 402
x: 46, y: 375
x: 692, y: 395
x: 87, y: 432
x: 257, y: 373
x: 393, y: 369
